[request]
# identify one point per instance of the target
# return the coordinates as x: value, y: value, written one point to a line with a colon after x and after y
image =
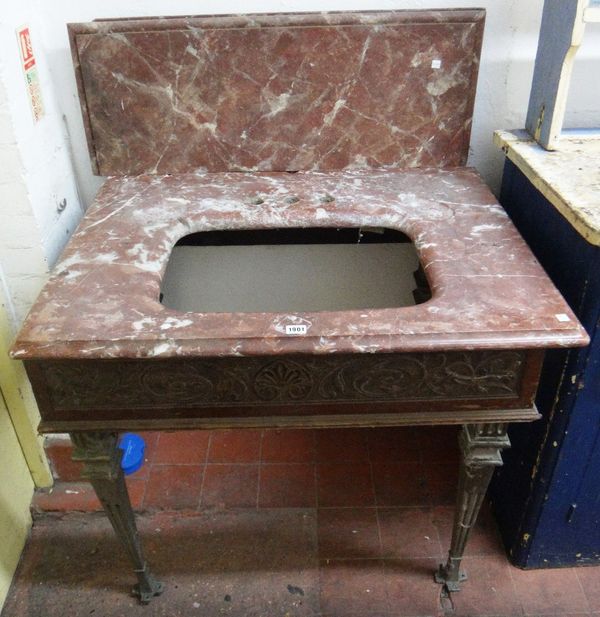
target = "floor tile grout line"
x: 317, y: 521
x: 158, y: 434
x: 143, y: 501
x: 255, y: 464
x: 377, y: 523
x: 316, y: 479
x: 376, y: 506
x: 583, y: 591
x: 441, y: 548
x: 379, y: 559
x: 420, y: 445
x: 150, y: 467
x: 381, y: 507
x: 369, y: 444
x: 259, y: 475
x: 320, y: 507
x: 372, y: 479
x: 514, y: 587
x: 424, y: 481
x: 191, y: 464
x: 201, y: 492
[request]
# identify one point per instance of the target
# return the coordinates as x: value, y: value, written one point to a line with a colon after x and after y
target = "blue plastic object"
x: 133, y: 447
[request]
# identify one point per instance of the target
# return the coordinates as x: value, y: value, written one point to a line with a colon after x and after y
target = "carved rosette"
x: 283, y: 380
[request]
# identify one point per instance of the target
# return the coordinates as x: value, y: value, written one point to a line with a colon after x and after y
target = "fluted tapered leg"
x: 480, y: 446
x: 102, y: 467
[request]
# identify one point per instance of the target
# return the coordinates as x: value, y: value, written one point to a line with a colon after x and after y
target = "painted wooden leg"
x: 480, y: 445
x: 102, y: 467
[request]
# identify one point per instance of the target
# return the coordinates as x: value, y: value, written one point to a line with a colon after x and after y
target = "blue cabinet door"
x: 547, y: 495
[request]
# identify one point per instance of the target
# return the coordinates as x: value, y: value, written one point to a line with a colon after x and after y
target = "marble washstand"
x: 345, y: 129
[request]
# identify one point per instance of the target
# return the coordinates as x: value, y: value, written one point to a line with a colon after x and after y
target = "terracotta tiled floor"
x: 284, y: 523
x: 277, y: 468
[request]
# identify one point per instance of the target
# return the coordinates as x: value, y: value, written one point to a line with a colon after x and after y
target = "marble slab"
x: 568, y: 177
x: 488, y: 290
x: 278, y: 92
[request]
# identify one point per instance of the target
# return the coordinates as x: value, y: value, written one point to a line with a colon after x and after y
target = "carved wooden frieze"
x: 213, y: 382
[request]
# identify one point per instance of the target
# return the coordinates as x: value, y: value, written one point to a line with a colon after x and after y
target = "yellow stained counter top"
x: 569, y: 177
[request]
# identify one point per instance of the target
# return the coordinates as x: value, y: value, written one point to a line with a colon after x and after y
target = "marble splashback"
x: 278, y: 92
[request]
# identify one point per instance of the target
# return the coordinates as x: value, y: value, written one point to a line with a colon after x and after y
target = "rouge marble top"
x: 278, y: 92
x: 102, y: 300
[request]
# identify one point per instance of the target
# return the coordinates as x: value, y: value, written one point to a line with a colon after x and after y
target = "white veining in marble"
x: 488, y: 290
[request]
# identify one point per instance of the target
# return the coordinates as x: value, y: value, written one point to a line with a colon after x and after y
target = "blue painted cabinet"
x: 547, y: 496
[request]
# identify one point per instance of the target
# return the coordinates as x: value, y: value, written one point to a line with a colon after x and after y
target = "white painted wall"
x: 509, y: 50
x: 44, y: 148
x: 23, y: 264
x: 36, y: 170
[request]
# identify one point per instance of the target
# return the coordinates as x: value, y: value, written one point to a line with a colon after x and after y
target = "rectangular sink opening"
x: 293, y: 270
